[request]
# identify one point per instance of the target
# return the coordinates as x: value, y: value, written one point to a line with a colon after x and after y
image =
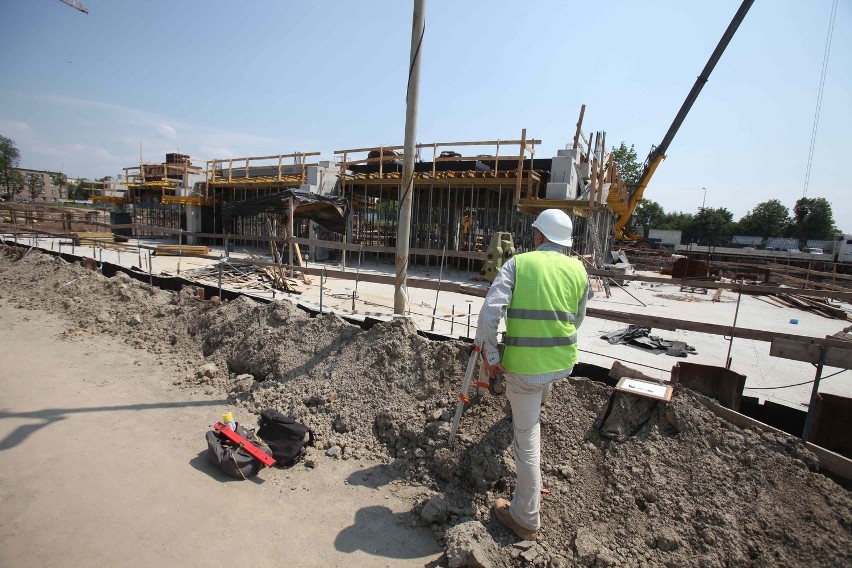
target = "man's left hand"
x: 493, y: 371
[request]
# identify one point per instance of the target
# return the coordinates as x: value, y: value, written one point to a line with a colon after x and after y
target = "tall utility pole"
x: 418, y: 27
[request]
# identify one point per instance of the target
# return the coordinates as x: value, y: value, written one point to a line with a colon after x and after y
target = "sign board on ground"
x: 644, y: 388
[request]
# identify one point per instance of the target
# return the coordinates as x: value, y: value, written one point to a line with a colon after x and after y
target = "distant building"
x: 779, y: 243
x: 820, y: 244
x: 114, y: 187
x: 747, y: 241
x: 51, y: 191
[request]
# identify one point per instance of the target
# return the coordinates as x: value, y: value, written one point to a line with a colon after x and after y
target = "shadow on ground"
x: 50, y: 415
x: 379, y: 531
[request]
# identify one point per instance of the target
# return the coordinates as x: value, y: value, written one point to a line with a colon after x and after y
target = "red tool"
x: 253, y: 450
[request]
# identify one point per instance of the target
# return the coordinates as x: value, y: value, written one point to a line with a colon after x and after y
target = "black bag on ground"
x: 230, y: 458
x: 284, y: 436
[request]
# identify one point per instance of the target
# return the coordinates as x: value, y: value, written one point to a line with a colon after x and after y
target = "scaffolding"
x: 159, y: 192
x: 464, y: 193
x: 459, y: 201
x: 239, y: 179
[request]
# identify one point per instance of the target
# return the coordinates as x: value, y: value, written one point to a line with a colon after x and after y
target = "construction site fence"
x: 754, y: 289
x: 478, y: 291
x: 138, y: 230
x: 815, y: 274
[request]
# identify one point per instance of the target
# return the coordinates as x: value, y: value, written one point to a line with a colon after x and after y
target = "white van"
x: 843, y: 249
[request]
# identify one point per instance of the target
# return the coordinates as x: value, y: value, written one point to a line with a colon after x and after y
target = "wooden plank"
x: 390, y: 280
x: 824, y: 307
x: 277, y: 156
x: 579, y: 126
x: 700, y: 327
x: 747, y: 288
x: 520, y: 167
x: 647, y: 320
x: 178, y: 250
x: 439, y: 144
x: 835, y: 356
x: 298, y: 252
x: 475, y: 255
x: 828, y: 460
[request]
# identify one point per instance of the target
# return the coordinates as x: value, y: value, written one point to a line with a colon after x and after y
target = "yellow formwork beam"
x: 185, y: 200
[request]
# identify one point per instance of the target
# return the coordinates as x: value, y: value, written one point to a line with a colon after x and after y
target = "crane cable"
x: 819, y: 95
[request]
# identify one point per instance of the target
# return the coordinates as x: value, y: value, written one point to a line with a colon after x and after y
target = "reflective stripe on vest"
x: 541, y: 341
x: 540, y: 332
x: 540, y: 315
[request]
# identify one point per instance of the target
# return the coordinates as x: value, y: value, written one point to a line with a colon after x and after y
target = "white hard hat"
x: 556, y: 226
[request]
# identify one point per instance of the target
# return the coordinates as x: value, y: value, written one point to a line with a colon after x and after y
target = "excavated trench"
x: 629, y: 482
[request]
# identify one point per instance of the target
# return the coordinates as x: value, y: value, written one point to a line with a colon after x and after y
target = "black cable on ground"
x: 798, y: 384
x: 624, y: 360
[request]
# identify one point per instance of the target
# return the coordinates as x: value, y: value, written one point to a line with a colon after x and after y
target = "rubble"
x: 669, y: 484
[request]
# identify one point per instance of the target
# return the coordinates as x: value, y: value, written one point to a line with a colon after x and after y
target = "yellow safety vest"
x: 540, y: 332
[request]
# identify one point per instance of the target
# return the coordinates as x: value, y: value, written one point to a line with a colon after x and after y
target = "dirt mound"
x: 641, y: 485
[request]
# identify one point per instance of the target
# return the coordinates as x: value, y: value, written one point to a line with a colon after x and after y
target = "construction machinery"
x: 76, y: 5
x: 623, y: 232
x: 500, y: 249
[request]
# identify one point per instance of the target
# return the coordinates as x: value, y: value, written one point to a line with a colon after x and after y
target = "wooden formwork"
x: 464, y: 192
x: 260, y: 170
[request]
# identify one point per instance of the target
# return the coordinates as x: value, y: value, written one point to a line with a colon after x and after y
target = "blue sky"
x: 215, y: 78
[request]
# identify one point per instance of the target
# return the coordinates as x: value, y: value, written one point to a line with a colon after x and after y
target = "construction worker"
x: 542, y: 294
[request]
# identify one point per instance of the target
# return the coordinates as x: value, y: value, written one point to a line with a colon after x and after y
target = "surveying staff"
x: 542, y: 294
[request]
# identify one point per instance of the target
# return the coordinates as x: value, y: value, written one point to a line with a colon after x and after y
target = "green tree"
x: 10, y: 157
x: 712, y: 227
x: 678, y: 222
x: 767, y: 219
x: 85, y: 188
x: 35, y: 186
x: 60, y: 180
x: 649, y: 214
x: 627, y: 164
x: 15, y: 182
x: 813, y: 219
x: 78, y: 189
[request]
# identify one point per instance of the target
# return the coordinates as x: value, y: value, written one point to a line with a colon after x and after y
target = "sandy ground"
x: 103, y: 463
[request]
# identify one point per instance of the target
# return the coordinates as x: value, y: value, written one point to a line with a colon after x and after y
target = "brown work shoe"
x: 501, y: 509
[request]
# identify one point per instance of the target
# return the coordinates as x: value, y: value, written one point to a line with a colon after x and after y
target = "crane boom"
x: 658, y: 153
x: 76, y: 5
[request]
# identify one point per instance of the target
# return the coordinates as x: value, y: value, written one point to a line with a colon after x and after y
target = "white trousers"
x: 526, y: 400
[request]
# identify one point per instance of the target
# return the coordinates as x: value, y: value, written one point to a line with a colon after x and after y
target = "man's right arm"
x: 493, y: 310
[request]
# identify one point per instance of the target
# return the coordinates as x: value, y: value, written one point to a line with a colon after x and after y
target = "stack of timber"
x: 819, y: 306
x: 279, y: 281
x: 277, y: 274
x: 243, y: 277
x: 181, y: 250
x: 789, y: 280
x: 89, y: 239
x: 844, y: 335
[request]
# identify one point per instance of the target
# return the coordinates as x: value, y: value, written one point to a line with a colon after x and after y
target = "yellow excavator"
x: 623, y: 232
